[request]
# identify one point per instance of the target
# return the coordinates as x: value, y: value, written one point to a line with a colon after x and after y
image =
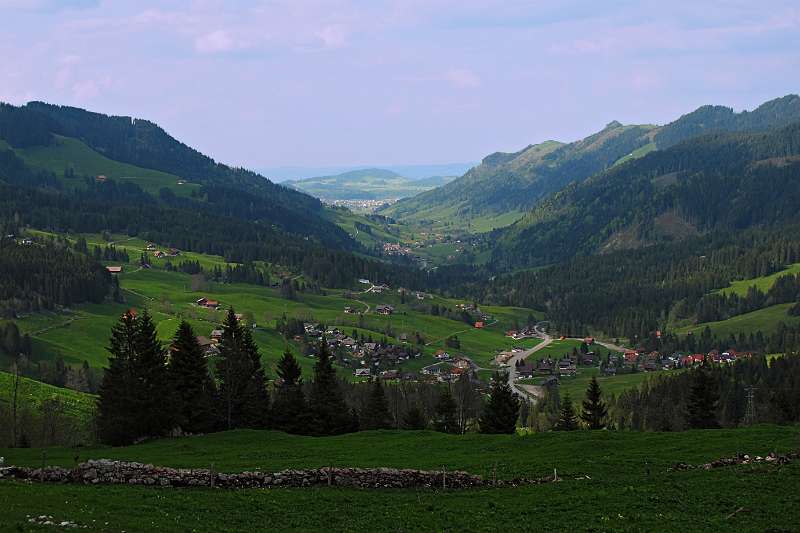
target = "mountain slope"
x: 515, y: 182
x: 718, y: 182
x: 39, y: 132
x: 365, y: 184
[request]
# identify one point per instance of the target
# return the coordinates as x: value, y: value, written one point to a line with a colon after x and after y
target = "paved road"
x: 512, y: 368
x: 531, y: 390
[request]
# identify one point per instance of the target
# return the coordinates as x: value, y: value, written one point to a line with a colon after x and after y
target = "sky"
x: 359, y: 82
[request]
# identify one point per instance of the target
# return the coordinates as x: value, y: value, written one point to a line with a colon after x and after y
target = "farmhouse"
x: 384, y: 310
x: 362, y: 372
x: 114, y: 269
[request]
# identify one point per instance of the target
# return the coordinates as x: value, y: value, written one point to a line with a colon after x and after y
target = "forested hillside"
x: 719, y: 182
x: 515, y: 182
x: 233, y: 191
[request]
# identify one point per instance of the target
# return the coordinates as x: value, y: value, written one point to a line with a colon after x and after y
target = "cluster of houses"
x: 566, y: 366
x: 366, y: 357
x: 448, y: 368
x: 390, y: 248
x: 171, y: 252
x: 651, y: 361
x: 524, y: 333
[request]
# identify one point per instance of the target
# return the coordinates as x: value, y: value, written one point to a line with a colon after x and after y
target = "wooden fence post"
x: 213, y: 475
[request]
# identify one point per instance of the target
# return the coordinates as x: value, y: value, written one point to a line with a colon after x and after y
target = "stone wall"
x: 104, y: 471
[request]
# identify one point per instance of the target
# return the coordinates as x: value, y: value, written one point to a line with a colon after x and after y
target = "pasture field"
x: 609, y: 481
x: 69, y: 153
x: 763, y: 283
x: 32, y: 394
x: 764, y: 320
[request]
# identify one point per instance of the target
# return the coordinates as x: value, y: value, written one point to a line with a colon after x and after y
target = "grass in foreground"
x: 629, y: 487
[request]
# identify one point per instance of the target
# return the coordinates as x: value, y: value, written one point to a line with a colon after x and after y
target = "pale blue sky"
x: 351, y: 82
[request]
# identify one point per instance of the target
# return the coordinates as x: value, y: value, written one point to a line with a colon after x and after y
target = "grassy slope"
x: 72, y: 153
x: 32, y: 393
x: 763, y: 283
x: 764, y: 320
x: 629, y: 487
x: 82, y: 333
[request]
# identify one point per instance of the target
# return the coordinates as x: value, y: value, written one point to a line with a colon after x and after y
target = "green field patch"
x: 765, y: 320
x: 763, y: 283
x: 32, y: 394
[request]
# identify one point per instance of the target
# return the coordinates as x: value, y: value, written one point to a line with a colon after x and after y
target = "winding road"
x: 528, y: 390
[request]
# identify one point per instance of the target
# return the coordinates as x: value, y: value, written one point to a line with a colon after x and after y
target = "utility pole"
x: 750, y: 411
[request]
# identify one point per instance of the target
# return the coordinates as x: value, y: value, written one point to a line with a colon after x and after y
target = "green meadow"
x: 33, y: 393
x: 764, y: 320
x: 763, y: 283
x: 610, y: 481
x: 68, y: 153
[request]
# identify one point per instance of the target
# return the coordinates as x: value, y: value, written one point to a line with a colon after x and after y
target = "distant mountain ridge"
x: 516, y: 182
x: 365, y: 184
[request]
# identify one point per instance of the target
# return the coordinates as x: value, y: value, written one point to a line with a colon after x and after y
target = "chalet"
x: 566, y: 367
x: 587, y: 359
x: 210, y: 304
x: 349, y: 310
x: 370, y: 346
x: 527, y: 369
x: 114, y: 269
x: 441, y: 355
x: 461, y: 363
x: 403, y: 337
x: 545, y: 366
x: 390, y: 374
x: 631, y: 356
x: 101, y: 178
x: 150, y: 247
x: 362, y: 372
x: 216, y: 335
x: 479, y: 325
x: 348, y: 342
x: 511, y: 333
x: 364, y: 281
x: 384, y: 309
x: 650, y: 366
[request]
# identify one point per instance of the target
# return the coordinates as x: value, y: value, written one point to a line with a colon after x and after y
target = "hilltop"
x: 365, y: 184
x: 506, y: 185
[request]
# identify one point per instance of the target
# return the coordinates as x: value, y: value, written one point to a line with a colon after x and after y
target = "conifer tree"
x: 289, y: 409
x: 255, y: 412
x: 501, y: 413
x: 594, y: 408
x: 376, y: 413
x: 192, y: 386
x: 152, y: 395
x: 446, y: 421
x: 414, y: 418
x: 701, y: 408
x: 329, y: 413
x: 234, y: 372
x: 567, y: 420
x: 115, y: 397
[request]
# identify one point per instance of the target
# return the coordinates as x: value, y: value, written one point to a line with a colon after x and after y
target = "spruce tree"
x: 115, y: 397
x: 701, y: 407
x: 192, y: 386
x: 289, y: 410
x: 233, y: 372
x: 414, y: 418
x: 594, y: 408
x: 152, y: 396
x: 329, y: 413
x: 255, y: 408
x: 376, y: 413
x: 445, y: 421
x: 501, y: 413
x: 567, y: 420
